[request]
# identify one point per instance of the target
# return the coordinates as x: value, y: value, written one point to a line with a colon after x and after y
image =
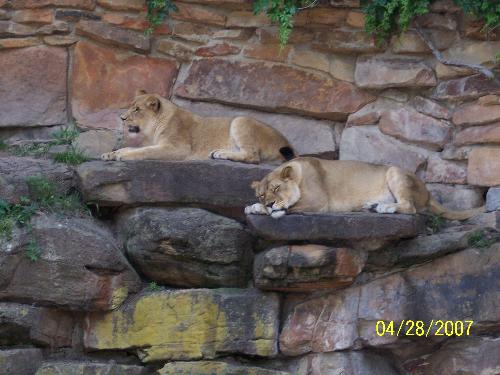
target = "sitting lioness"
x: 308, y: 184
x: 174, y: 133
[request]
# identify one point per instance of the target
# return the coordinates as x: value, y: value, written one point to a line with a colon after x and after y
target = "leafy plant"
x: 435, y: 223
x: 157, y: 11
x: 33, y: 149
x: 64, y: 136
x: 3, y: 145
x: 486, y: 10
x: 154, y: 287
x: 72, y: 156
x: 482, y: 240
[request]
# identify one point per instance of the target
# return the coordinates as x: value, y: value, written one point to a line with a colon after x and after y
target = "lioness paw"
x: 383, y: 208
x: 278, y: 214
x: 219, y: 154
x: 108, y: 156
x: 256, y: 209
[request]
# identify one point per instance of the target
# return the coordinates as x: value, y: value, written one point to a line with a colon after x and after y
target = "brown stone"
x: 437, y: 21
x: 4, y: 15
x: 451, y: 152
x: 215, y: 367
x: 346, y: 41
x: 102, y: 78
x: 78, y: 4
x: 60, y: 40
x: 220, y: 49
x: 134, y: 5
x: 321, y: 16
x: 271, y: 52
x: 453, y: 287
x: 109, y: 34
x: 411, y: 42
x: 198, y: 13
x: 311, y: 59
x: 33, y: 74
x: 430, y: 108
x: 445, y: 72
x: 75, y: 15
x: 489, y: 100
x: 192, y: 32
x: 478, y: 53
x: 57, y: 27
x: 247, y: 19
x: 476, y: 114
x: 484, y: 168
x: 18, y: 42
x: 382, y: 72
x: 409, y: 125
x: 233, y: 34
x: 342, y: 67
x: 466, y: 88
x: 269, y: 35
x: 444, y: 171
x: 272, y: 87
x: 478, y: 134
x: 370, y: 114
x: 303, y: 268
x: 138, y: 23
x: 34, y: 325
x: 444, y: 6
x: 356, y: 19
x: 345, y: 3
x: 367, y: 143
x: 476, y: 29
x: 8, y: 29
x: 34, y: 16
x: 179, y: 50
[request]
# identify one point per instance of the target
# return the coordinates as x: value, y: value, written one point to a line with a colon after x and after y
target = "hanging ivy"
x: 157, y: 11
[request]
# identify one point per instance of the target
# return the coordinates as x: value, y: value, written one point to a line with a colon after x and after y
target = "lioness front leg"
x: 142, y: 153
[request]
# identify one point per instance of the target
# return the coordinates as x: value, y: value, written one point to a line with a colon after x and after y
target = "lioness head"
x: 279, y: 190
x: 142, y: 113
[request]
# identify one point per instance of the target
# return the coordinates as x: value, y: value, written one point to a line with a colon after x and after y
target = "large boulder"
x: 215, y: 367
x: 104, y: 81
x: 22, y: 325
x: 20, y: 361
x: 78, y: 266
x: 32, y: 86
x: 466, y: 88
x: 305, y: 268
x: 484, y: 168
x: 89, y: 368
x: 187, y: 247
x: 189, y: 324
x: 271, y: 87
x: 455, y: 287
x: 354, y: 226
x: 16, y: 171
x: 207, y: 183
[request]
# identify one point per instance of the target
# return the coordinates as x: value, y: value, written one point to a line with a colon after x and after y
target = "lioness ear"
x: 254, y: 185
x: 153, y: 104
x: 286, y: 172
x: 140, y: 92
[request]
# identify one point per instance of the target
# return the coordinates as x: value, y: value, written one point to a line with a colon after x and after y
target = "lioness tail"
x: 436, y: 208
x: 287, y: 153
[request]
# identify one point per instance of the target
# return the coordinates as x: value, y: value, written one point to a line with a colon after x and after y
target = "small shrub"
x: 154, y: 287
x: 482, y: 240
x: 65, y: 136
x: 72, y: 156
x: 33, y: 252
x: 157, y: 11
x: 3, y: 145
x: 435, y: 223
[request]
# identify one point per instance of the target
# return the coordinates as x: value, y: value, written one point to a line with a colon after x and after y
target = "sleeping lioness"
x: 174, y: 133
x: 308, y: 184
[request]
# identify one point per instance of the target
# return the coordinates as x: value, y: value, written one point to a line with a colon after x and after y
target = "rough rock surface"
x: 493, y: 199
x: 34, y: 81
x: 88, y: 368
x: 96, y: 142
x: 210, y: 183
x: 189, y: 324
x: 80, y: 267
x: 41, y: 326
x: 476, y: 114
x: 333, y: 227
x: 457, y: 197
x: 462, y: 284
x: 15, y: 171
x: 213, y: 367
x: 20, y: 361
x: 104, y: 82
x: 484, y: 168
x: 271, y: 87
x: 379, y: 73
x: 466, y: 88
x: 302, y: 268
x: 187, y: 247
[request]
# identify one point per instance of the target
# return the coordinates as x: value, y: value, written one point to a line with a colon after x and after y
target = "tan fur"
x: 174, y: 133
x: 309, y: 184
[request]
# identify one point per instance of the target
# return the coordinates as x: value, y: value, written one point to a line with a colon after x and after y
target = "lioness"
x: 308, y: 184
x: 173, y: 133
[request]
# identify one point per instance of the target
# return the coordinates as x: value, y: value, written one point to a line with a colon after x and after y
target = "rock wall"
x: 168, y: 276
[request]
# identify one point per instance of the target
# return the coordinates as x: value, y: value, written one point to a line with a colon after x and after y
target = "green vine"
x: 157, y: 11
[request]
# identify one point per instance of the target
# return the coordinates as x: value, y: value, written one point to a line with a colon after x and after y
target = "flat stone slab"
x: 88, y: 368
x: 209, y: 183
x: 332, y: 227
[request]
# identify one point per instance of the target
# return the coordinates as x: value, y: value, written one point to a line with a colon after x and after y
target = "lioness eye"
x: 136, y: 109
x: 276, y: 188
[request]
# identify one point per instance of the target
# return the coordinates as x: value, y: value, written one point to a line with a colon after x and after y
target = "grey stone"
x: 457, y: 197
x: 20, y: 361
x: 187, y: 247
x: 96, y: 142
x: 493, y: 199
x: 89, y: 368
x: 215, y: 367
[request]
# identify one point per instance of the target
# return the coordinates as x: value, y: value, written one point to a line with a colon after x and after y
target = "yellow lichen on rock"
x: 219, y: 368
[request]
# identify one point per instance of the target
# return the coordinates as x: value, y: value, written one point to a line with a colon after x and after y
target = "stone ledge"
x: 207, y: 183
x: 333, y: 227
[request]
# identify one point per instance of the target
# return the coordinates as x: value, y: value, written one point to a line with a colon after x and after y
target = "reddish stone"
x: 79, y: 4
x: 409, y: 125
x: 383, y: 72
x: 478, y: 134
x: 346, y: 41
x: 221, y: 49
x: 35, y: 16
x: 430, y: 108
x: 466, y: 88
x: 476, y: 114
x: 437, y: 21
x: 18, y: 42
x: 33, y: 78
x: 247, y: 19
x: 272, y: 87
x: 356, y: 19
x: 269, y: 35
x: 484, y: 166
x: 58, y: 27
x: 136, y: 5
x: 198, y: 13
x: 104, y: 81
x: 60, y: 40
x: 270, y: 52
x: 411, y: 42
x: 106, y: 33
x: 370, y: 114
x: 179, y: 50
x: 8, y: 28
x: 192, y: 32
x: 134, y: 23
x: 444, y: 171
x: 321, y: 16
